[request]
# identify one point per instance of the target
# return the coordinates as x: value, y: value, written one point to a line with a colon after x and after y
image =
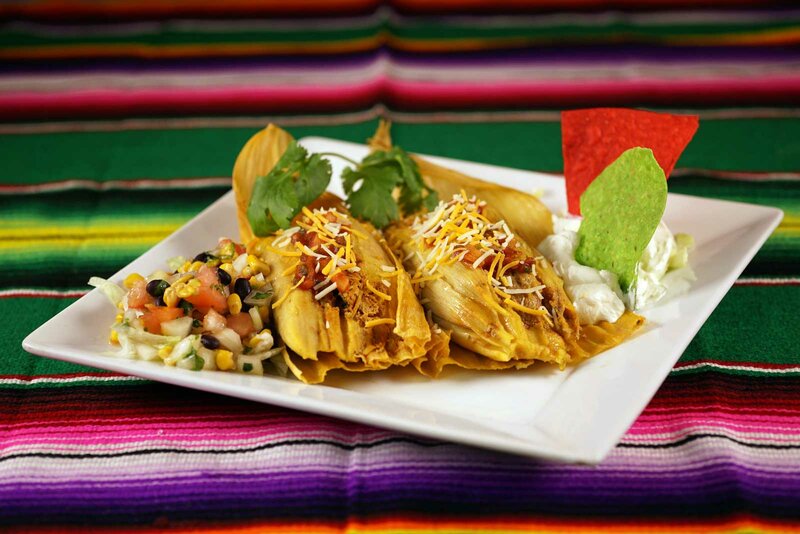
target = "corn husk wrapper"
x: 257, y: 157
x: 321, y: 338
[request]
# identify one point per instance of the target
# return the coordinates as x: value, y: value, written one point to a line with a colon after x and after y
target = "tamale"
x: 342, y: 300
x: 494, y: 294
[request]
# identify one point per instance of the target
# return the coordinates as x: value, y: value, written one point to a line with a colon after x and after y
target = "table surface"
x: 119, y: 122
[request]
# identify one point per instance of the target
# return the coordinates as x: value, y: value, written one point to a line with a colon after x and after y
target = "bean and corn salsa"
x: 208, y: 313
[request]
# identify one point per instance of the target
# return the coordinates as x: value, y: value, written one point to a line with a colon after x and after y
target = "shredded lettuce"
x: 109, y: 289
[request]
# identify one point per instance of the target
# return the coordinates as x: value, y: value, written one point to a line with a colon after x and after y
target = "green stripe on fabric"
x: 615, y: 30
x: 409, y: 28
x: 751, y: 324
x: 202, y: 152
x: 172, y: 35
x: 98, y: 207
x: 28, y: 314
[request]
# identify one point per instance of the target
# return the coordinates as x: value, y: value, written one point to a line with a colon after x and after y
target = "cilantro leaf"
x: 372, y: 201
x: 380, y: 174
x: 295, y: 181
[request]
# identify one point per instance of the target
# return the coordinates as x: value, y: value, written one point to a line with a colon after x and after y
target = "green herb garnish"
x: 378, y: 175
x: 299, y: 178
x: 247, y: 367
x: 199, y: 363
x: 186, y: 306
x: 295, y: 181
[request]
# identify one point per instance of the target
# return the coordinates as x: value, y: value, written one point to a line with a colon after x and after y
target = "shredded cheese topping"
x: 457, y: 231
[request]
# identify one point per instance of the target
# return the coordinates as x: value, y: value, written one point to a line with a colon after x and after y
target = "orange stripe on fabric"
x: 453, y: 526
x: 182, y: 51
x: 765, y: 38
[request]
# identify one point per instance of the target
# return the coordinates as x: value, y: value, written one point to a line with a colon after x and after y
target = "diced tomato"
x: 208, y: 298
x: 512, y: 253
x: 210, y: 295
x: 306, y: 270
x: 207, y: 276
x: 341, y: 281
x: 472, y: 255
x: 155, y: 315
x: 241, y: 323
x: 313, y: 240
x: 138, y: 296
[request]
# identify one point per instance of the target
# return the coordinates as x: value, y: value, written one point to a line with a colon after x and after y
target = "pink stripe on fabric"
x: 309, y: 97
x: 411, y: 94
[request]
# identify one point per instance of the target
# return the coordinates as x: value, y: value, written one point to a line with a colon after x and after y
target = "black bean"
x: 209, y: 341
x: 160, y: 301
x: 204, y: 257
x: 224, y: 277
x: 157, y: 287
x: 242, y: 288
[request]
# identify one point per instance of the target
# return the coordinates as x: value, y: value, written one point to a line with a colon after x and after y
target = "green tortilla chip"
x: 621, y: 209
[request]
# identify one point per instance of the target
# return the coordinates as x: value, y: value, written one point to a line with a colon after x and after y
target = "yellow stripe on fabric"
x: 52, y: 245
x: 95, y: 230
x: 191, y: 50
x: 789, y: 226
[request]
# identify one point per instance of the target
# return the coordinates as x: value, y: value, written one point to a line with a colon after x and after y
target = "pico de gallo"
x: 208, y: 313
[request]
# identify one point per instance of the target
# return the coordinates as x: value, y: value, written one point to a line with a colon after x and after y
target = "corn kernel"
x: 131, y: 279
x: 263, y: 311
x: 257, y: 265
x: 247, y: 272
x: 170, y: 297
x: 185, y: 267
x: 224, y: 360
x: 113, y: 337
x: 196, y: 266
x: 183, y: 279
x: 256, y: 282
x: 234, y: 304
x: 184, y: 291
x: 194, y: 282
x: 165, y: 351
x: 228, y: 268
x: 228, y: 250
x: 119, y: 318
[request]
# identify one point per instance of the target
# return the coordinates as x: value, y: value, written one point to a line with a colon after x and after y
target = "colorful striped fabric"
x: 120, y: 121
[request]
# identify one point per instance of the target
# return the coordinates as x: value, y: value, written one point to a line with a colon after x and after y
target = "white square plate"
x: 576, y: 415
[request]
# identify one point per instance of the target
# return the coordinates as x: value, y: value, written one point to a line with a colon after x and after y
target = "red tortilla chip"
x: 592, y: 139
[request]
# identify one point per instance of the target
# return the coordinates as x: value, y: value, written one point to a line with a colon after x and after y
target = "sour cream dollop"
x: 662, y: 272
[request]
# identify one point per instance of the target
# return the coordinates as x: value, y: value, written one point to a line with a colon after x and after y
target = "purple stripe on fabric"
x: 600, y: 52
x: 220, y: 64
x: 528, y: 56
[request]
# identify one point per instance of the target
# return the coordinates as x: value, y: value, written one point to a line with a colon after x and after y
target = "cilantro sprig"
x: 298, y: 179
x: 379, y: 174
x: 295, y: 181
